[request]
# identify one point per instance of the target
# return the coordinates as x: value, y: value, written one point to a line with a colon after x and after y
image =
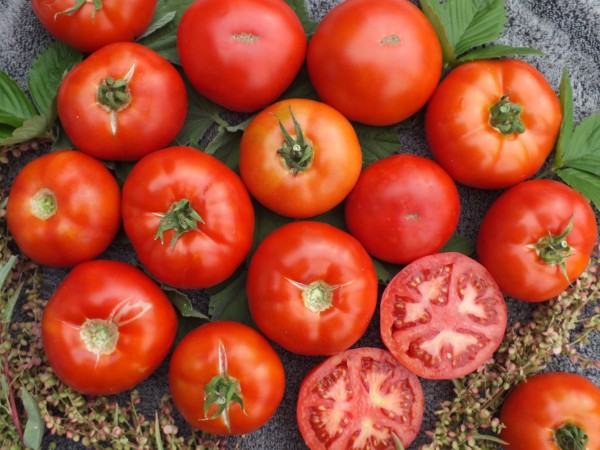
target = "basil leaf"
x: 587, y: 183
x: 15, y: 107
x: 376, y: 142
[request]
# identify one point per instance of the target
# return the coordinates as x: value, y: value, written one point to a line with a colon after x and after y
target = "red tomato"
x: 311, y: 288
x: 359, y: 399
x: 189, y: 217
x: 122, y: 102
x: 550, y: 411
x: 528, y: 243
x: 443, y: 316
x: 377, y: 71
x: 477, y: 144
x: 107, y: 327
x: 241, y: 54
x: 307, y: 172
x: 222, y: 358
x: 403, y: 207
x: 87, y: 28
x: 64, y: 208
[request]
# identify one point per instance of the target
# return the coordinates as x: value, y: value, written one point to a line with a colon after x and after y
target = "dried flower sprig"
x: 558, y: 327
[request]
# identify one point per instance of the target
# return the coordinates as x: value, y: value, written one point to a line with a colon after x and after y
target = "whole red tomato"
x: 403, y: 207
x: 122, y: 102
x: 64, y: 208
x: 241, y: 54
x: 552, y: 411
x: 107, y: 327
x: 311, y: 288
x: 226, y: 379
x: 443, y: 316
x: 491, y: 124
x: 307, y: 170
x: 537, y: 238
x: 377, y: 71
x: 361, y: 398
x: 87, y: 27
x: 189, y: 217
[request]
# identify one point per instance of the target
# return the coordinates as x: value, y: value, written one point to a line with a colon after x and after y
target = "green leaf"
x: 35, y: 426
x: 183, y: 303
x: 36, y: 127
x: 438, y: 19
x: 61, y: 141
x: 376, y: 142
x: 47, y: 73
x: 299, y: 7
x: 160, y: 19
x: 15, y: 107
x: 385, y: 271
x: 265, y: 222
x: 166, y: 47
x: 157, y: 434
x: 226, y: 147
x: 584, y: 142
x: 228, y: 300
x: 301, y: 87
x: 588, y: 184
x: 6, y: 269
x: 498, y: 51
x: 459, y: 244
x: 566, y: 127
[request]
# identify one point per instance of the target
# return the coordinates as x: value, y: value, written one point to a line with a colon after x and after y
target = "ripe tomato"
x: 378, y: 71
x: 64, y: 208
x: 552, y: 411
x: 122, y: 102
x: 403, y: 207
x: 537, y: 238
x: 250, y: 51
x: 443, y: 316
x: 477, y: 143
x: 311, y: 288
x: 107, y: 327
x: 86, y: 27
x: 225, y: 378
x: 307, y: 172
x: 189, y: 217
x: 359, y: 398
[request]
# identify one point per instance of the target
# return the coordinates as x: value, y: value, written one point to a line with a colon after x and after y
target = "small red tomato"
x: 122, y: 102
x: 107, y: 327
x: 552, y: 411
x: 307, y: 171
x: 403, y: 207
x: 225, y: 378
x: 64, y: 208
x: 537, y: 238
x: 359, y: 399
x: 443, y: 316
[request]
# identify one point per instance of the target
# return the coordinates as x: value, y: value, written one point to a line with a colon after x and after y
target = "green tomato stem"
x: 297, y: 153
x: 505, y: 116
x: 570, y: 437
x: 181, y: 218
x: 78, y: 4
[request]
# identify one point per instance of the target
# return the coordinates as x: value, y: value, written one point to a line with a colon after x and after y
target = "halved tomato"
x: 443, y: 316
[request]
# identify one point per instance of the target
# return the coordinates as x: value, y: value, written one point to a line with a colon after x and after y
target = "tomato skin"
x: 158, y: 103
x: 378, y: 71
x: 370, y: 381
x: 251, y: 360
x: 251, y: 50
x: 87, y: 215
x: 403, y: 207
x: 336, y: 162
x: 461, y: 138
x: 103, y: 289
x: 306, y: 252
x: 442, y: 316
x: 543, y: 403
x: 86, y: 30
x: 520, y: 217
x: 200, y: 258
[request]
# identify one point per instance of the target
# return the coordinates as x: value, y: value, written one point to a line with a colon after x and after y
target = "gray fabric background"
x: 567, y: 30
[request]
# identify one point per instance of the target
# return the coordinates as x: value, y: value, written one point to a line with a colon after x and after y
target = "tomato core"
x: 392, y: 39
x: 570, y: 437
x: 44, y: 204
x: 505, y: 116
x: 100, y: 336
x: 181, y: 218
x: 246, y: 38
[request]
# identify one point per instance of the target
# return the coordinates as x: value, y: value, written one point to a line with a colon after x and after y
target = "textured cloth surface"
x: 566, y: 30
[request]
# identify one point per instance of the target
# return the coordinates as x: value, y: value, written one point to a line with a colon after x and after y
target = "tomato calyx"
x: 181, y: 218
x: 505, y: 116
x: 78, y: 4
x: 297, y: 153
x: 222, y: 390
x: 318, y: 295
x: 570, y: 437
x: 114, y: 95
x: 44, y: 204
x: 554, y: 249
